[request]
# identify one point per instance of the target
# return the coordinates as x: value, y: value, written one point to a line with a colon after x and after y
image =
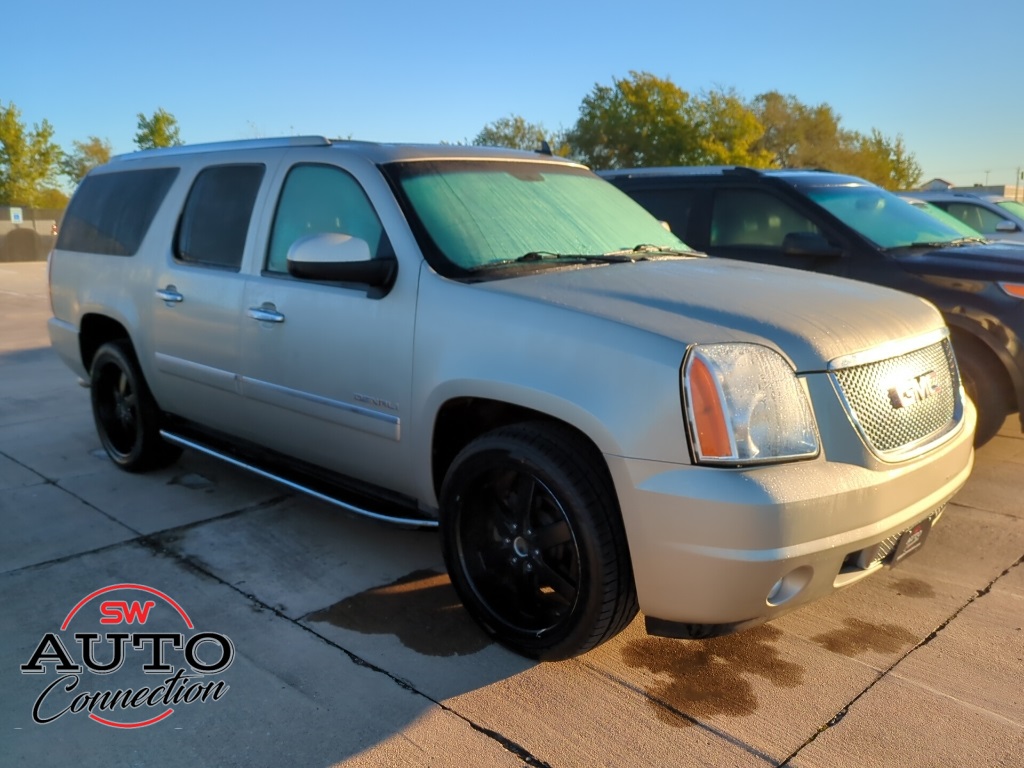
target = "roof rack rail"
x: 187, y: 149
x: 743, y: 170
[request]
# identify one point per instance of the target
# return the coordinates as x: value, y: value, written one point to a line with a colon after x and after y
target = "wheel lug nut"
x: 529, y: 567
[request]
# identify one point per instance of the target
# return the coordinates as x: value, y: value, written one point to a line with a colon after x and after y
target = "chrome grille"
x: 903, y: 402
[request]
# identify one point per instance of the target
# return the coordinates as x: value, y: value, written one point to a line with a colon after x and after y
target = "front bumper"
x: 736, y: 547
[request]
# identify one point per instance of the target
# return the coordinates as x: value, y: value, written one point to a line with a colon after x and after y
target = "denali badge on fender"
x: 914, y: 390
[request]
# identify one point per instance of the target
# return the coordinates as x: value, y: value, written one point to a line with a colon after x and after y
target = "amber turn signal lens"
x: 708, y: 415
x: 1014, y: 289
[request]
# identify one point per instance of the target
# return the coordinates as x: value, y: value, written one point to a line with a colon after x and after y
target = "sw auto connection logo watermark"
x: 127, y: 679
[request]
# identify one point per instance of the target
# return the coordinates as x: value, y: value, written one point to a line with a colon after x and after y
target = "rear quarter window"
x: 111, y: 212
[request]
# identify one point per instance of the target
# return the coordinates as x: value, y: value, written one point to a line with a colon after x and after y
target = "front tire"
x: 126, y: 415
x: 986, y: 384
x: 534, y: 542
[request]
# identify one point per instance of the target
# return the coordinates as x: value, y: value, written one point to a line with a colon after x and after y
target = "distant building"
x: 1002, y: 190
x: 27, y: 234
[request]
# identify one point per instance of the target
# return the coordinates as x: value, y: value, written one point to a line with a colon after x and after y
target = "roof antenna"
x: 544, y: 148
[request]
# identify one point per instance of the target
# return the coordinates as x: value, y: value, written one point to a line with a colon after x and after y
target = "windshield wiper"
x: 946, y: 243
x: 537, y: 257
x: 642, y: 252
x: 645, y: 251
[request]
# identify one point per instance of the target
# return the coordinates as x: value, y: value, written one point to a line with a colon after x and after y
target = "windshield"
x: 941, y: 215
x: 483, y: 213
x: 1017, y: 209
x: 882, y: 217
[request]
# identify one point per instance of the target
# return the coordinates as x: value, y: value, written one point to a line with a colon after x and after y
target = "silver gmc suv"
x: 502, y: 344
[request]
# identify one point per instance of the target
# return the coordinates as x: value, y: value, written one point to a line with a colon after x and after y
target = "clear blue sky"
x: 944, y: 74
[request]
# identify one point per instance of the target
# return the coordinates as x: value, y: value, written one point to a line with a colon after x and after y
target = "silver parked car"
x: 994, y: 216
x: 503, y: 344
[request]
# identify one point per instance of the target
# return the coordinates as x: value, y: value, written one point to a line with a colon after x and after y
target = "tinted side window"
x: 669, y: 205
x: 111, y: 212
x: 217, y: 214
x: 976, y: 217
x: 322, y: 198
x: 745, y: 217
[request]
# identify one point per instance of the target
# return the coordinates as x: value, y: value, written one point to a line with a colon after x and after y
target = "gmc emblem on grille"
x: 914, y: 390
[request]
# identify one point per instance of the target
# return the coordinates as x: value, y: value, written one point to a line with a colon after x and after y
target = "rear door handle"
x: 266, y: 314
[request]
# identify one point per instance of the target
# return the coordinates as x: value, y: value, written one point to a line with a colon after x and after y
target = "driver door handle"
x: 266, y: 314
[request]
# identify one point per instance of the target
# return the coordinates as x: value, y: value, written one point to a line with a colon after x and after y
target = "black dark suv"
x: 845, y: 226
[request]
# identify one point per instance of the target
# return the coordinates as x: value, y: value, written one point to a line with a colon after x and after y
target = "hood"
x: 993, y: 261
x: 810, y: 318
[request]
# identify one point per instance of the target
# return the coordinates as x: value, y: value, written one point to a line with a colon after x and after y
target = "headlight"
x: 744, y: 404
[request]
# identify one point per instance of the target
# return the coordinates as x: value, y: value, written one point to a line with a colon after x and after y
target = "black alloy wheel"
x: 534, y: 543
x: 127, y: 418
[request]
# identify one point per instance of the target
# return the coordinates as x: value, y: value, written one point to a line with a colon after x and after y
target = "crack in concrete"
x: 725, y: 736
x: 838, y: 717
x: 44, y: 478
x: 154, y: 543
x: 138, y: 536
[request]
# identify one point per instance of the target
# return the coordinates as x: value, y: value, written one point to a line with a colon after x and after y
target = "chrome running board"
x: 405, y: 521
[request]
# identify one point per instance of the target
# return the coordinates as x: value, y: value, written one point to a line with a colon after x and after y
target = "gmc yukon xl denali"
x: 504, y: 345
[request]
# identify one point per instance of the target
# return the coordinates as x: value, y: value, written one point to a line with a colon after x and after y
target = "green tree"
x: 86, y: 156
x: 51, y: 197
x: 883, y: 161
x: 728, y: 131
x: 801, y: 136
x: 515, y: 132
x: 798, y: 136
x: 159, y: 130
x: 641, y: 120
x: 29, y: 159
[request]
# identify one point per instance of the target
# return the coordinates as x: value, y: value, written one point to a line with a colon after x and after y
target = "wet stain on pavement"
x: 858, y: 637
x: 912, y: 588
x: 704, y: 678
x: 192, y: 481
x: 421, y: 609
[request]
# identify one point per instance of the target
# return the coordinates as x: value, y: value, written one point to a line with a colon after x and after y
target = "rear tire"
x: 126, y: 415
x: 534, y: 542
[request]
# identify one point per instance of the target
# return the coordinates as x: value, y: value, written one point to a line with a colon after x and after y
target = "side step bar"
x: 404, y: 521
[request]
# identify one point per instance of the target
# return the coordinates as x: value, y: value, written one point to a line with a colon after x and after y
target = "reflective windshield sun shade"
x: 478, y: 213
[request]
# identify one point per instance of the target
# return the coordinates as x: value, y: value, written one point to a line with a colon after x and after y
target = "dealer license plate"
x: 911, y: 540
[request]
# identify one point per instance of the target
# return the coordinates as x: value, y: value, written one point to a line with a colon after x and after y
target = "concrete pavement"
x: 351, y: 648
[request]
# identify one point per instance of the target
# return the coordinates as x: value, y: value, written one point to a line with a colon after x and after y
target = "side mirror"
x: 1007, y: 226
x: 809, y: 244
x: 342, y: 258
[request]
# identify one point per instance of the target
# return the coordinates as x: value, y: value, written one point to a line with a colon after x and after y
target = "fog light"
x: 789, y: 586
